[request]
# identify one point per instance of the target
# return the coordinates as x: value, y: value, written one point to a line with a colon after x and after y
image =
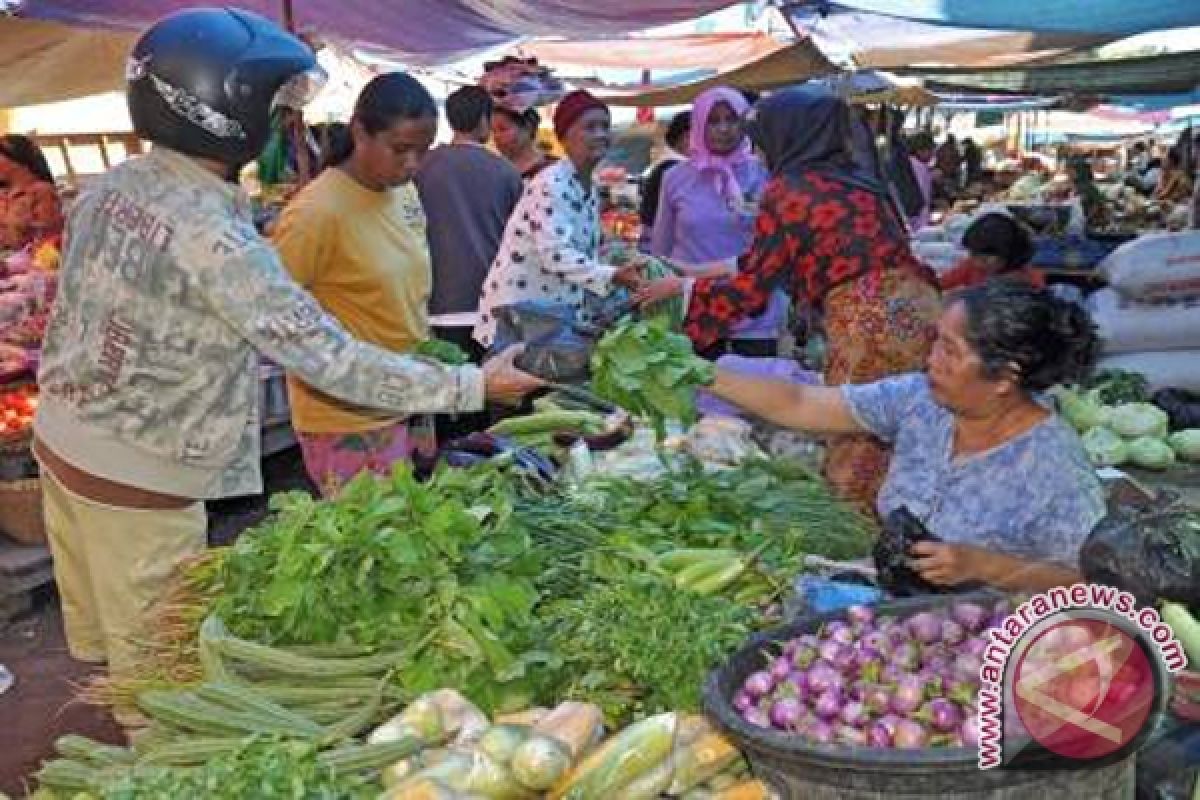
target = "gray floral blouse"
x: 1035, y: 496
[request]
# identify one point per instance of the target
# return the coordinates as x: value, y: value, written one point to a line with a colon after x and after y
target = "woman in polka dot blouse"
x: 551, y: 243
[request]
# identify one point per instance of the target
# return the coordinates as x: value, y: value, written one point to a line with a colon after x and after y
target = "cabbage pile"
x: 1126, y: 433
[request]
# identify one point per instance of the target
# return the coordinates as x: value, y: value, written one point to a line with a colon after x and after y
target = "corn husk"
x: 621, y: 760
x: 701, y: 759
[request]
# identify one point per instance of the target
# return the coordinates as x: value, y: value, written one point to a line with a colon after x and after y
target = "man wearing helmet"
x: 149, y: 381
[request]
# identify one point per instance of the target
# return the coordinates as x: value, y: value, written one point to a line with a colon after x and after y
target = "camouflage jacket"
x: 149, y: 369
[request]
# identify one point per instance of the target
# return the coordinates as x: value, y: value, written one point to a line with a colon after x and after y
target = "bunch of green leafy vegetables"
x: 650, y: 371
x: 624, y: 638
x: 265, y: 768
x: 775, y: 508
x: 441, y: 350
x: 636, y: 645
x: 397, y: 563
x: 1114, y: 387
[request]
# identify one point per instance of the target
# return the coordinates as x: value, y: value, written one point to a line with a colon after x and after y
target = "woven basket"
x: 21, y: 511
x: 16, y: 442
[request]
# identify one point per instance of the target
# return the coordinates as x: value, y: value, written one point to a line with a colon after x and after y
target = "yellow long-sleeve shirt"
x: 364, y: 257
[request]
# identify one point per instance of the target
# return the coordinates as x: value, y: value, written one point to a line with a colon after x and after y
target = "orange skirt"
x: 876, y: 326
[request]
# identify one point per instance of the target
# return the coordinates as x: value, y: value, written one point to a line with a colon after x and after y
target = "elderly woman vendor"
x: 987, y: 468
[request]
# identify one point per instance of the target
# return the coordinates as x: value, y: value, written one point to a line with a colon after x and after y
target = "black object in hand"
x: 893, y: 554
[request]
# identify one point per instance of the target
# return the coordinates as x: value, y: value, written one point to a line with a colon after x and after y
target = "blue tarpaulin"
x: 1115, y: 17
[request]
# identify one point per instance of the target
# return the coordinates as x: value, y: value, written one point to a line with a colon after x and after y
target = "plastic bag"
x: 1152, y: 556
x: 1182, y: 407
x: 564, y: 356
x: 524, y: 322
x: 893, y: 553
x: 557, y: 347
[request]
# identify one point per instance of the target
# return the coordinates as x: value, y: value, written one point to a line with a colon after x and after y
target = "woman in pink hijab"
x: 707, y: 208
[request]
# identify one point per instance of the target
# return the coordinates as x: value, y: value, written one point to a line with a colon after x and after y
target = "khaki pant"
x: 111, y: 564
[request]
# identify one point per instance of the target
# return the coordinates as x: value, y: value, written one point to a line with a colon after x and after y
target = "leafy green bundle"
x: 638, y: 646
x: 651, y: 372
x: 440, y: 350
x: 395, y: 562
x: 263, y: 768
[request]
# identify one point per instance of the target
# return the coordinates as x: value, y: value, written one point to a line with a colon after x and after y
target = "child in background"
x: 999, y: 247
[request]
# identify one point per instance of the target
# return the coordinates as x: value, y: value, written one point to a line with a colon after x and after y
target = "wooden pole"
x: 289, y: 16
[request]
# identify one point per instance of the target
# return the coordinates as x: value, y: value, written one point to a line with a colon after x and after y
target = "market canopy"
x: 43, y: 62
x: 1170, y: 72
x: 793, y: 64
x: 1108, y: 17
x: 413, y: 31
x: 882, y: 42
x: 695, y: 51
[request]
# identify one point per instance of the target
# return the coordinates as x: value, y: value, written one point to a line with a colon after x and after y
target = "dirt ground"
x: 39, y: 707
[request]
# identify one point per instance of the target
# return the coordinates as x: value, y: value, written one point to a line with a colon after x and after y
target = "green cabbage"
x: 1081, y: 409
x: 1151, y: 453
x: 1186, y: 444
x: 1134, y: 420
x: 1105, y: 448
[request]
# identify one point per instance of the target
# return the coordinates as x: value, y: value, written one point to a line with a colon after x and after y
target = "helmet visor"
x: 301, y: 89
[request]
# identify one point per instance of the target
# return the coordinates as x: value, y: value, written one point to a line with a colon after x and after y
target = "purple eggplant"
x: 854, y: 713
x: 969, y: 615
x: 828, y: 704
x: 908, y: 695
x: 822, y: 676
x: 879, y: 735
x: 742, y: 701
x: 944, y: 715
x: 925, y: 627
x: 821, y: 732
x: 909, y: 735
x: 786, y: 713
x: 759, y: 684
x: 860, y: 615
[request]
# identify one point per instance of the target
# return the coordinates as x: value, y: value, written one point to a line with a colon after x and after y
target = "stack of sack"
x: 1149, y: 317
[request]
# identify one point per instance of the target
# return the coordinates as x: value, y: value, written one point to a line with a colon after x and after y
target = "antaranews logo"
x: 1074, y: 674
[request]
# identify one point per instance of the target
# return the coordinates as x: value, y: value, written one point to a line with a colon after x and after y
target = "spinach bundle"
x: 651, y: 372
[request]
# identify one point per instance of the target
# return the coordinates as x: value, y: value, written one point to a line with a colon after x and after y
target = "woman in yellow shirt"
x: 355, y: 238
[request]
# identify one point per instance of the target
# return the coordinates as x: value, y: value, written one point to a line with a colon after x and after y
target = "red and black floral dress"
x: 836, y: 247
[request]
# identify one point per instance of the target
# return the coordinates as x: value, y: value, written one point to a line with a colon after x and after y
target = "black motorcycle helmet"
x: 202, y: 81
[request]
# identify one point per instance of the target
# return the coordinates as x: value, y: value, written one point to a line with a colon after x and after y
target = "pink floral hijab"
x: 704, y: 159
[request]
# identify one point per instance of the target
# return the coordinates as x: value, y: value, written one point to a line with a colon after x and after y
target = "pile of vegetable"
x: 563, y: 753
x: 518, y: 592
x: 651, y: 372
x: 1134, y: 433
x: 878, y: 681
x: 439, y: 746
x: 17, y: 407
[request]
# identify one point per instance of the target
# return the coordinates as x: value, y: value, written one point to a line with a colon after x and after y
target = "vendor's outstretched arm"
x: 814, y: 409
x: 1020, y: 574
x: 948, y: 564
